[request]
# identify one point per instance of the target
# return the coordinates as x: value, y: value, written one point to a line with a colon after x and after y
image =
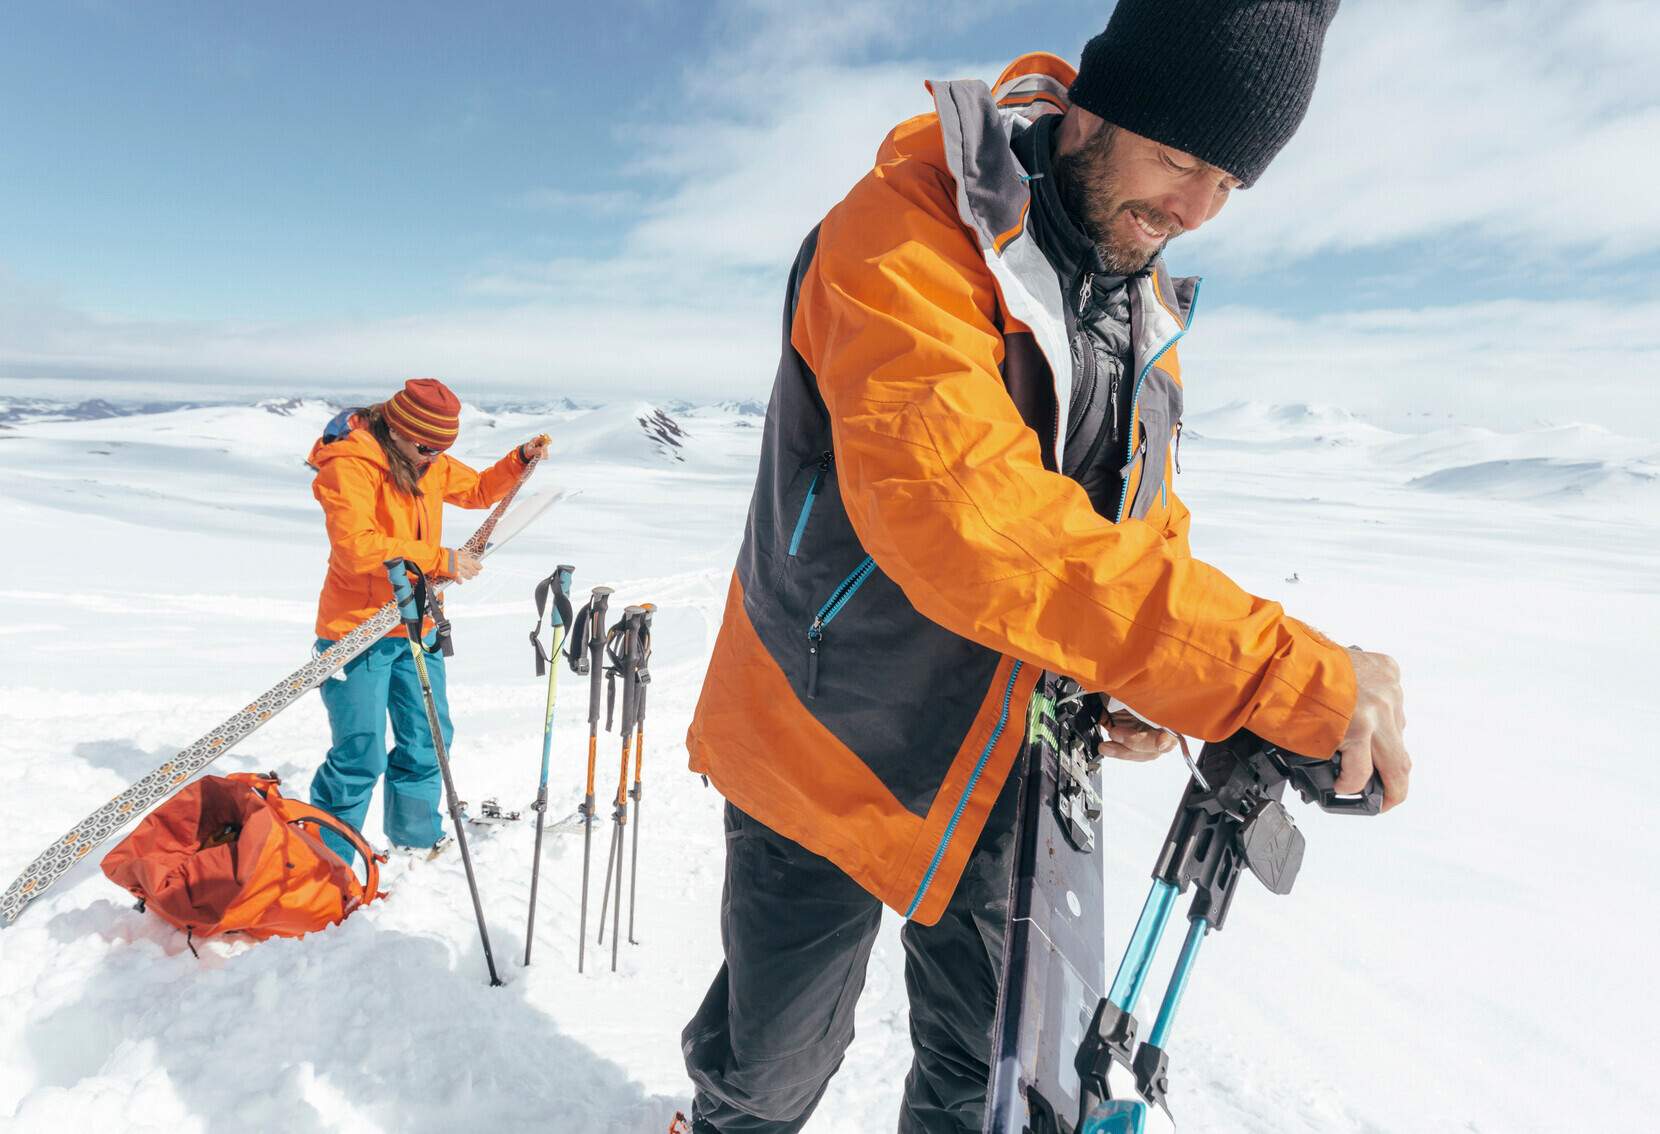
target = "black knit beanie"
x: 1227, y: 81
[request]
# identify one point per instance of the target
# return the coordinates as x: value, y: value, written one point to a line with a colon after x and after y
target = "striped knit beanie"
x: 425, y: 412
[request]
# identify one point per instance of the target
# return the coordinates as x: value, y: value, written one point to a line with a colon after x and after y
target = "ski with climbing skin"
x: 1070, y: 1056
x: 62, y: 855
x: 1054, y: 957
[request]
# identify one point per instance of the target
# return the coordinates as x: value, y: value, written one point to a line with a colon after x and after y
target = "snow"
x: 1431, y: 969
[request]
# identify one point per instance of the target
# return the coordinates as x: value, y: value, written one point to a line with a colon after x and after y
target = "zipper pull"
x: 1085, y: 291
x: 815, y: 637
x: 1178, y: 446
x: 1136, y: 453
x: 824, y: 461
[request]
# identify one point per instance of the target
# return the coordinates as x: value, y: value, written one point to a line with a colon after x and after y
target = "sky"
x: 535, y: 199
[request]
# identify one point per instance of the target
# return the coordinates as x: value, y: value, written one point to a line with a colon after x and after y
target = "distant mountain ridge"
x: 14, y: 411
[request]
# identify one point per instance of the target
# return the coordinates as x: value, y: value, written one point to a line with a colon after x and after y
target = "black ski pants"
x: 797, y: 933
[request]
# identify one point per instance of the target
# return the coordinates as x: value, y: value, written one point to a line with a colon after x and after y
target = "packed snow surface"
x: 1432, y: 969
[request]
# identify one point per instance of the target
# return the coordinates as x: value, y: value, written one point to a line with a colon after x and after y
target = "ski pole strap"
x: 445, y: 644
x: 642, y: 643
x: 559, y: 585
x: 617, y: 648
x: 610, y: 696
x: 576, y: 646
x: 428, y: 602
x: 589, y: 621
x: 412, y: 600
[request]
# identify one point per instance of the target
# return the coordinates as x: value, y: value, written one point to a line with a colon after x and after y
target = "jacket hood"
x: 359, y: 443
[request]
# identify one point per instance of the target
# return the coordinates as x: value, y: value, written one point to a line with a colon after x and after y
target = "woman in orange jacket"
x: 383, y: 478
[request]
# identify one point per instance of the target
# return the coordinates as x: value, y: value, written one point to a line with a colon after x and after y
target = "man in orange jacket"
x: 965, y: 481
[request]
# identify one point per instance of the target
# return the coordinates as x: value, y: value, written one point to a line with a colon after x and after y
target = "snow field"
x: 1429, y: 969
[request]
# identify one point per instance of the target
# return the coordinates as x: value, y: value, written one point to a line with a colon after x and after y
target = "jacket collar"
x: 1051, y: 223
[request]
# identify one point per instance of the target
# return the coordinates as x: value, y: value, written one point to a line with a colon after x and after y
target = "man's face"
x: 1132, y: 195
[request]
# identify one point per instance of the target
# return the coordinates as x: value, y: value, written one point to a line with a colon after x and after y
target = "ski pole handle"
x: 1316, y: 782
x: 598, y: 600
x: 559, y: 584
x: 404, y: 595
x: 561, y: 615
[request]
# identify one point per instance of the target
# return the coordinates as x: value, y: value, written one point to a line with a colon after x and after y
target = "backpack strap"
x: 293, y: 811
x: 265, y: 783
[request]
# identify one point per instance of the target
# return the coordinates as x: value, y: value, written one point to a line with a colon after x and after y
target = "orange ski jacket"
x: 370, y: 521
x: 913, y: 560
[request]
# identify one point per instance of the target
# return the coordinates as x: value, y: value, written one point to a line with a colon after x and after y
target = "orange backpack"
x: 230, y: 854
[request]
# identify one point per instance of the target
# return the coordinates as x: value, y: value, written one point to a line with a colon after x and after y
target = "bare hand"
x: 467, y: 565
x: 1374, y: 741
x: 1131, y: 738
x: 536, y: 448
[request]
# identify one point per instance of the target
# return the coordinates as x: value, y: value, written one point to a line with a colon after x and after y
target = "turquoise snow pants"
x: 378, y: 683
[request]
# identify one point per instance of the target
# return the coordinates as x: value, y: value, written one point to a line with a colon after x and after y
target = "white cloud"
x: 538, y: 349
x: 1533, y: 128
x: 1530, y: 128
x: 1487, y: 363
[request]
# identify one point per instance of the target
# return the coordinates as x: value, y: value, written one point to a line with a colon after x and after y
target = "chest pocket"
x: 1158, y: 411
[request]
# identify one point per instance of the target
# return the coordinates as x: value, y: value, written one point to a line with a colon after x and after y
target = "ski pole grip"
x: 403, y: 594
x: 1316, y: 782
x: 561, y: 615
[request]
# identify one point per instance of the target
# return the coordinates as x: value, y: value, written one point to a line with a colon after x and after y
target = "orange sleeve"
x: 466, y: 488
x: 346, y: 489
x: 945, y: 486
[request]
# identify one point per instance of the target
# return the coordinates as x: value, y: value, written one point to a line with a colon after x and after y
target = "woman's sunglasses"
x: 427, y: 450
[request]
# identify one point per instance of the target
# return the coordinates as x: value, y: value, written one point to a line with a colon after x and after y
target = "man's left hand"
x: 1131, y: 738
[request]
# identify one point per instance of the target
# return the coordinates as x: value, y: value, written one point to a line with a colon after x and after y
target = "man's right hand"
x: 467, y: 565
x: 1374, y: 741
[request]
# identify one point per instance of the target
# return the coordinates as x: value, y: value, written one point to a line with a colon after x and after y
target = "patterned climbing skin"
x: 57, y: 859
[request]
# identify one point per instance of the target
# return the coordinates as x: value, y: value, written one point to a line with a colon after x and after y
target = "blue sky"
x: 576, y: 198
x: 298, y: 160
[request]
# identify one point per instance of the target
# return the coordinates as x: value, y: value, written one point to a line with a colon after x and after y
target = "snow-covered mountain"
x: 162, y: 567
x: 17, y: 410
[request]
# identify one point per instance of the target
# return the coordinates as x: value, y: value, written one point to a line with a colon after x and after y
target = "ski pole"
x: 587, y: 658
x: 1231, y: 820
x: 409, y: 609
x: 625, y: 663
x: 642, y: 680
x: 558, y: 585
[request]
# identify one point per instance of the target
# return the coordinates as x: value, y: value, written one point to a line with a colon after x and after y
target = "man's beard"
x: 1089, y: 188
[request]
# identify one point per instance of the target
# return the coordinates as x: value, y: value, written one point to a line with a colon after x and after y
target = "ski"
x: 490, y: 811
x: 1054, y: 957
x: 62, y: 855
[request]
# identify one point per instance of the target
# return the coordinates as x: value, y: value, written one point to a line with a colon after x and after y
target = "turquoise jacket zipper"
x: 968, y: 790
x: 826, y: 614
x: 824, y: 461
x: 1135, y: 402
